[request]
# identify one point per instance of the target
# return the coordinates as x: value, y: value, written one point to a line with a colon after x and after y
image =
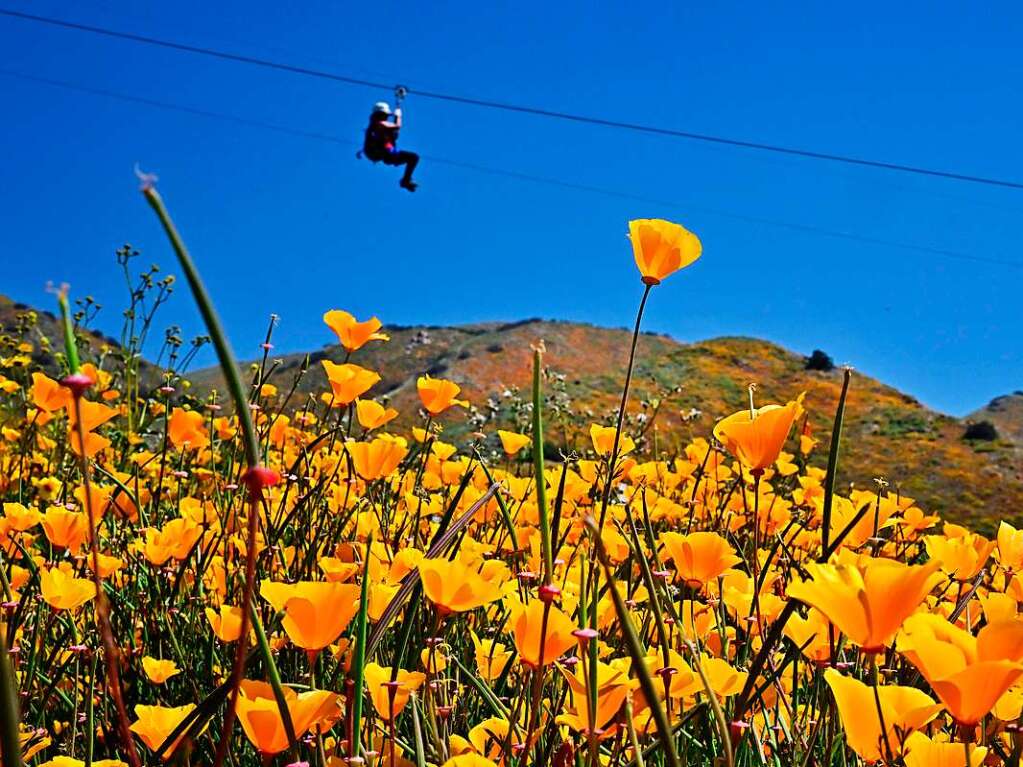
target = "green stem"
x: 10, y: 744
x: 829, y: 479
x: 613, y: 458
x: 538, y: 466
x: 359, y: 661
x: 635, y: 647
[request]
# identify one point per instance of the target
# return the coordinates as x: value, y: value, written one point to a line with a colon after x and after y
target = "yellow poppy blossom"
x: 969, y: 674
x: 757, y: 442
x: 437, y: 394
x: 159, y: 671
x: 536, y: 646
x: 661, y: 248
x: 315, y: 612
x: 373, y: 415
x: 867, y: 598
x: 260, y: 717
x: 155, y: 723
x: 454, y: 587
x: 63, y: 591
x: 348, y: 381
x: 905, y: 709
x: 351, y: 334
x: 700, y: 557
x: 603, y: 438
x: 922, y: 751
x: 226, y: 622
x: 513, y: 441
x: 377, y: 459
x: 390, y: 697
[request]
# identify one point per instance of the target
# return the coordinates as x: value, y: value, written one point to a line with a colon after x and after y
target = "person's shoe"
x: 410, y: 185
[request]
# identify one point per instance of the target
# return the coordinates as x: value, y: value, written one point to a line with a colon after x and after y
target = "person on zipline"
x: 381, y: 139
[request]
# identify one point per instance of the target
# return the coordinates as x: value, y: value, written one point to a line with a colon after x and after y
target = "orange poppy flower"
x: 512, y: 441
x: 603, y: 438
x: 159, y: 671
x: 613, y: 687
x: 48, y: 395
x: 921, y: 751
x: 373, y: 415
x: 905, y: 709
x: 388, y: 697
x: 969, y: 674
x: 63, y: 591
x: 176, y: 539
x: 226, y: 622
x: 536, y: 647
x: 348, y: 381
x: 21, y: 518
x: 491, y: 657
x: 757, y: 442
x: 699, y: 557
x: 866, y: 598
x: 1010, y: 547
x: 377, y: 459
x: 155, y: 723
x: 812, y: 635
x: 353, y: 335
x: 94, y: 415
x: 437, y: 394
x: 66, y: 529
x: 662, y: 248
x: 185, y: 429
x: 315, y: 613
x: 962, y: 556
x: 453, y: 587
x: 260, y: 717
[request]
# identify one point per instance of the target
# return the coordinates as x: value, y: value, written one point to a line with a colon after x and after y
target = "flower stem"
x: 613, y: 458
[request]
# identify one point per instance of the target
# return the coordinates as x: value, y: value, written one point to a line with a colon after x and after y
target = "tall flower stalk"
x: 79, y: 383
x: 257, y: 478
x: 660, y: 248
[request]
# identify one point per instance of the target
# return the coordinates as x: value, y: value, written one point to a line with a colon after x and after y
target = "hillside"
x: 888, y: 433
x: 1005, y: 413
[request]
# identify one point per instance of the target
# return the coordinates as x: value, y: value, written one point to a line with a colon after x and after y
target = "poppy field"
x: 242, y: 578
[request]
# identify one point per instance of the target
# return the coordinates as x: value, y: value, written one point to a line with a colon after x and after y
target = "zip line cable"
x: 519, y: 108
x: 604, y: 191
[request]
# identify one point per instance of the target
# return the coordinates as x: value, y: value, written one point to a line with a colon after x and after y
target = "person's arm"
x: 389, y: 125
x: 397, y: 117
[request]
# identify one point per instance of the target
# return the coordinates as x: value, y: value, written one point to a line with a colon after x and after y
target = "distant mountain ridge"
x: 887, y: 433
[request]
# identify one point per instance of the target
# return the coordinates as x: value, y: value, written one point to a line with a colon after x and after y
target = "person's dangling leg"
x: 411, y: 160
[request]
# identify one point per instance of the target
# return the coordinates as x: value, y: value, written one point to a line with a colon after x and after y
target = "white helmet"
x: 382, y: 106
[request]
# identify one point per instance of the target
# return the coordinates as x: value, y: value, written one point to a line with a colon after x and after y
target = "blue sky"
x: 285, y: 224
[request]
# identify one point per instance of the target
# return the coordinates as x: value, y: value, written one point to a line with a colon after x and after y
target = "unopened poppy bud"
x: 444, y: 711
x: 736, y: 729
x: 78, y: 383
x: 259, y: 477
x: 166, y: 390
x: 548, y: 593
x: 585, y: 634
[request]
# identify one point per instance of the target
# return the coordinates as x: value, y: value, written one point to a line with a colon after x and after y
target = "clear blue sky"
x: 289, y: 225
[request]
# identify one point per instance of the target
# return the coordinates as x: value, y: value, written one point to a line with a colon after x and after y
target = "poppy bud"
x: 548, y: 593
x: 78, y: 383
x: 259, y: 477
